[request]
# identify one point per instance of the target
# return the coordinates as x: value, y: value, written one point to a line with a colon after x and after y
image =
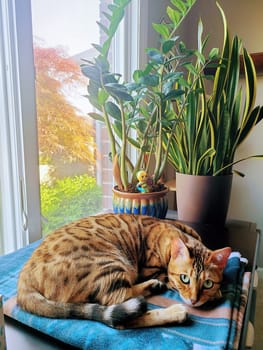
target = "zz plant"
x: 142, y: 107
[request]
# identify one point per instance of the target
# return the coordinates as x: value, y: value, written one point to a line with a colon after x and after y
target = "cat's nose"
x: 193, y: 301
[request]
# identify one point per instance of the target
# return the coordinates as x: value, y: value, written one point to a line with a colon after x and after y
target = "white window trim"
x: 18, y: 153
x: 133, y: 36
x: 127, y: 48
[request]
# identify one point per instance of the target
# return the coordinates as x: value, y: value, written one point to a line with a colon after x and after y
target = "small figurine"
x: 142, y: 185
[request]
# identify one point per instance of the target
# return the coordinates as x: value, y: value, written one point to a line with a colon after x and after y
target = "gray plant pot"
x: 203, y: 199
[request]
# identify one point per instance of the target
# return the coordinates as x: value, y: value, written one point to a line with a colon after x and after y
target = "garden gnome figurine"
x: 142, y: 185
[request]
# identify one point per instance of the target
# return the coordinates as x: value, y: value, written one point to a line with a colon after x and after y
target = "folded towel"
x: 242, y: 308
x: 236, y: 304
x: 211, y: 327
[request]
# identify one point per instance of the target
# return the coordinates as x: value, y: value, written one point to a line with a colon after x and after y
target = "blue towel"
x: 207, y: 329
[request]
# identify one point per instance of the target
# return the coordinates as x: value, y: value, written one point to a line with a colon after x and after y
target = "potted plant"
x: 168, y: 112
x: 142, y: 108
x: 211, y: 126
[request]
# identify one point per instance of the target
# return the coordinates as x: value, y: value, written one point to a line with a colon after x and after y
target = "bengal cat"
x: 101, y: 268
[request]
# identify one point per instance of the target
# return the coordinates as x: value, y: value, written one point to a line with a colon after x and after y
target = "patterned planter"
x: 152, y: 204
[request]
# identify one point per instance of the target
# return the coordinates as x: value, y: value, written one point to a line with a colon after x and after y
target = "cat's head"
x: 196, y: 272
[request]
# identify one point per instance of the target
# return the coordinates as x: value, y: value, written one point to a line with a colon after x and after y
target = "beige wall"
x: 245, y: 20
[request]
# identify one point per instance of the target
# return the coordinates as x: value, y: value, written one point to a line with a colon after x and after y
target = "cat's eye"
x: 185, y: 279
x: 208, y: 284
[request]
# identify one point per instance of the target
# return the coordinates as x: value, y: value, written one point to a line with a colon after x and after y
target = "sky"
x: 67, y: 23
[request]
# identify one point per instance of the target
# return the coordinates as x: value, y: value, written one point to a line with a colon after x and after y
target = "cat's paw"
x: 157, y: 287
x: 178, y: 313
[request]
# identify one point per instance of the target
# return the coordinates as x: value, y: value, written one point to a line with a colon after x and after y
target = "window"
x: 19, y: 186
x: 67, y: 148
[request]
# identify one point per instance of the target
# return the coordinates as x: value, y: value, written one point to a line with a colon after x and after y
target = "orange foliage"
x: 62, y: 130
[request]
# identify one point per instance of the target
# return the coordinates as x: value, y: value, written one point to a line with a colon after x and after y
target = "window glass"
x: 75, y: 173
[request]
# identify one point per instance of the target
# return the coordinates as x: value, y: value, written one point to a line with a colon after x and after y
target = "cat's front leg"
x: 173, y: 314
x: 152, y: 286
x: 149, y: 272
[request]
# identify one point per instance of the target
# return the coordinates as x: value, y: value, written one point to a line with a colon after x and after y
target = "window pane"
x: 72, y: 176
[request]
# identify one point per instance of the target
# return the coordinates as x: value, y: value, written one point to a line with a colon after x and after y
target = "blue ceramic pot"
x: 152, y: 204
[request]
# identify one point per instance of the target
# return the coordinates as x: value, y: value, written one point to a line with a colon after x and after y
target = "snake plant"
x: 212, y: 125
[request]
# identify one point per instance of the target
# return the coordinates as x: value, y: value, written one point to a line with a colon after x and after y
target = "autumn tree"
x: 62, y: 130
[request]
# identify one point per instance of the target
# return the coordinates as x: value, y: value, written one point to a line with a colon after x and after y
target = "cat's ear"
x: 179, y: 249
x: 219, y: 257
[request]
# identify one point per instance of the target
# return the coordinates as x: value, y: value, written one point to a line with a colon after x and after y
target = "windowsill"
x: 22, y: 337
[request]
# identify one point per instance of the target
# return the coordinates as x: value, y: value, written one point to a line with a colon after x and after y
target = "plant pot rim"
x: 148, y: 195
x: 205, y: 176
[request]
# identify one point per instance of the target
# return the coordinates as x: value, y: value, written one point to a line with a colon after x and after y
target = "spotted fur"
x: 101, y: 268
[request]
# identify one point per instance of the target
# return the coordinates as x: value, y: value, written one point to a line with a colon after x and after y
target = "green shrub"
x: 69, y: 199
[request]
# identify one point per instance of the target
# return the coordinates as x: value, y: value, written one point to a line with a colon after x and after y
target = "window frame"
x: 19, y: 153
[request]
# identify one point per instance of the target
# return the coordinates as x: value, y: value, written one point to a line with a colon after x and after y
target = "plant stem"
x: 144, y: 141
x: 123, y: 170
x: 110, y: 133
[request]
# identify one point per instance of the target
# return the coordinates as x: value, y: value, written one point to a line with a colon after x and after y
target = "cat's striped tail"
x: 113, y: 315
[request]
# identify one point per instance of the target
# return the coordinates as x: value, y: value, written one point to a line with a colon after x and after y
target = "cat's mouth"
x: 187, y: 301
x: 192, y: 303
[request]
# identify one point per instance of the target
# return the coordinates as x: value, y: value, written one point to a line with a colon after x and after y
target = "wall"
x: 151, y: 11
x: 245, y: 20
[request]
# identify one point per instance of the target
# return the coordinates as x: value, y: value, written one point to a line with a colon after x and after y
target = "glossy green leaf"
x: 119, y: 91
x: 214, y: 53
x: 162, y: 29
x: 98, y: 47
x: 167, y: 46
x: 174, y: 15
x: 91, y: 72
x: 172, y: 95
x: 173, y: 76
x: 150, y: 80
x: 190, y: 67
x: 181, y: 5
x: 102, y: 96
x: 113, y: 110
x: 103, y: 27
x: 135, y: 143
x: 107, y: 15
x: 96, y: 116
x: 137, y: 74
x: 201, y: 57
x: 156, y: 56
